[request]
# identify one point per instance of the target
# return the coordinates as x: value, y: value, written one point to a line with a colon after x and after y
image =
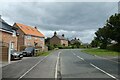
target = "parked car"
x: 16, y: 55
x: 29, y: 51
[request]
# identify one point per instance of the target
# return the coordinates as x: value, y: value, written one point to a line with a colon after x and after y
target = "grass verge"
x: 101, y: 52
x: 43, y: 53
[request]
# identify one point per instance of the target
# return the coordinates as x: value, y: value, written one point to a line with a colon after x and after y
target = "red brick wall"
x: 7, y: 37
x: 54, y: 40
x: 34, y: 39
x: 20, y: 40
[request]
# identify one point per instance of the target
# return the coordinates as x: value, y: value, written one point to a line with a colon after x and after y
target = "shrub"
x: 114, y: 47
x: 50, y: 47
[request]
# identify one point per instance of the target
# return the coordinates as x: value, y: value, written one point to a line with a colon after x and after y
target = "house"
x: 75, y: 40
x: 29, y: 36
x: 8, y: 34
x: 58, y: 40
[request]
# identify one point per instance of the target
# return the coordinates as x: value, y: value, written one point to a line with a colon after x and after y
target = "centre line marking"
x: 32, y: 67
x: 74, y: 54
x: 56, y: 66
x: 103, y: 71
x: 80, y: 58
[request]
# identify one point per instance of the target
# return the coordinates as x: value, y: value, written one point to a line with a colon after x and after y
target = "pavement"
x: 65, y: 64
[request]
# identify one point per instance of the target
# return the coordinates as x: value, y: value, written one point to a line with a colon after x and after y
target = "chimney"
x: 55, y: 33
x: 75, y: 38
x: 35, y: 27
x: 63, y: 35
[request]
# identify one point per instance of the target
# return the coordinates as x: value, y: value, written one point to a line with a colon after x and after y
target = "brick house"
x: 58, y: 40
x: 75, y: 40
x: 29, y: 36
x: 8, y: 33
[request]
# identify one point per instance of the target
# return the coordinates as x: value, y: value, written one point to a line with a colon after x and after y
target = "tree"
x: 95, y: 42
x: 111, y: 31
x: 113, y: 25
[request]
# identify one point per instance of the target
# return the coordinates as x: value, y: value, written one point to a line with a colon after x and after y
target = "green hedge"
x: 114, y: 47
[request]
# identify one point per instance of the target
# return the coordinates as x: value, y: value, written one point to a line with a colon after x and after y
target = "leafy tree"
x: 113, y: 24
x: 95, y: 42
x: 111, y: 31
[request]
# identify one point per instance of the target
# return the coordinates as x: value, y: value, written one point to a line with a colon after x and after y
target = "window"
x: 12, y: 45
x: 42, y: 39
x: 14, y: 33
x: 28, y: 44
x: 35, y: 38
x: 28, y: 37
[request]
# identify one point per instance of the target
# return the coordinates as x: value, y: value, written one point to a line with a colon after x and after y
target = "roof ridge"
x: 29, y: 30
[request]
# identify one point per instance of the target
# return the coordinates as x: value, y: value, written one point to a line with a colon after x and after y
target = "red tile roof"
x: 29, y: 30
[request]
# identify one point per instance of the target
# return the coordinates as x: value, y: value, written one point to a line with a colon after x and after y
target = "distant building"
x: 75, y: 40
x: 29, y: 36
x: 58, y: 40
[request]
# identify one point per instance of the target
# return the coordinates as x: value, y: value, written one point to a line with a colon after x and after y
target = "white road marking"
x: 56, y: 66
x: 74, y: 54
x: 103, y: 71
x: 107, y: 59
x: 99, y: 68
x: 80, y: 58
x: 32, y: 67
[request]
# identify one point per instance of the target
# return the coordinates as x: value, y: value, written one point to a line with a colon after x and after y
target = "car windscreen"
x: 29, y: 49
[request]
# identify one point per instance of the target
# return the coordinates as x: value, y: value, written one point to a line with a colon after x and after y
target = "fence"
x: 4, y: 51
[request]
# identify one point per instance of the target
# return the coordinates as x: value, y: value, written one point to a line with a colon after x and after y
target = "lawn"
x: 101, y: 52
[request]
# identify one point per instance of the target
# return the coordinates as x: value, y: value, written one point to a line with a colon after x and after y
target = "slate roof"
x: 29, y: 30
x: 5, y: 26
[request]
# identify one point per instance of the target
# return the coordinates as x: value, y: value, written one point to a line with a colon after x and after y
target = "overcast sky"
x: 74, y: 19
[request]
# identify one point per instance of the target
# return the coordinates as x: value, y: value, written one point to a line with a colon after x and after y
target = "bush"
x: 50, y: 47
x: 65, y: 47
x: 103, y: 46
x: 114, y: 47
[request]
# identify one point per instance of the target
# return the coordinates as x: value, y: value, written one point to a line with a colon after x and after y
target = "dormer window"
x: 14, y: 33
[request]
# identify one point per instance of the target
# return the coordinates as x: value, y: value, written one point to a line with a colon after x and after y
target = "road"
x: 64, y: 64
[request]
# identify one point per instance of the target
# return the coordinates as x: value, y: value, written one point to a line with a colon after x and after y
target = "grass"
x: 43, y: 53
x: 101, y: 52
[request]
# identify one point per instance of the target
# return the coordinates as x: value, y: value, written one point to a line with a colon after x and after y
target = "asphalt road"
x: 63, y: 64
x: 75, y: 64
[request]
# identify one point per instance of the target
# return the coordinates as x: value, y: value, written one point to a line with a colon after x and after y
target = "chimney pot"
x: 35, y: 27
x: 55, y: 33
x: 63, y: 35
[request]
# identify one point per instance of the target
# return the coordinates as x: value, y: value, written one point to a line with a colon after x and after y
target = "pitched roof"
x: 61, y: 37
x: 29, y: 30
x: 5, y: 26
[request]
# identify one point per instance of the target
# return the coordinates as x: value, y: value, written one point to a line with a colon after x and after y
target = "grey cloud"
x: 68, y: 17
